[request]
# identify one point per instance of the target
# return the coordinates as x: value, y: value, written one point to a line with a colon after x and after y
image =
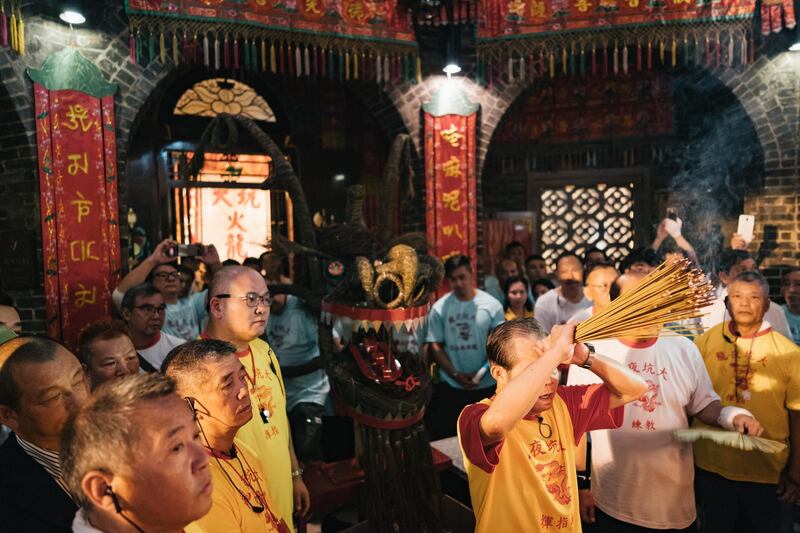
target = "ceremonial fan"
x: 734, y: 439
x: 673, y: 292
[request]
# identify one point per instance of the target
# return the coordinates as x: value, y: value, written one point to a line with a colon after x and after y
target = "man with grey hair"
x: 756, y: 368
x: 41, y: 385
x: 131, y: 459
x: 239, y: 306
x: 211, y: 378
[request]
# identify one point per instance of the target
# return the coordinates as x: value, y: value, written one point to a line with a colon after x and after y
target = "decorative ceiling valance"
x: 335, y: 39
x: 530, y: 38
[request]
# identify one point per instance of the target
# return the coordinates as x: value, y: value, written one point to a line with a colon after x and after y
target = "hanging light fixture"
x: 452, y: 45
x: 72, y: 13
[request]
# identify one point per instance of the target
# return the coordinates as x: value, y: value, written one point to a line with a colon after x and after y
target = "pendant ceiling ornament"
x: 332, y: 39
x: 529, y: 39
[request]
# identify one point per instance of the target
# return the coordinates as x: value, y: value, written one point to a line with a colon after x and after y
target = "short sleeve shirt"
x: 640, y: 473
x: 157, y: 352
x: 526, y: 482
x: 762, y: 375
x: 186, y: 318
x: 553, y: 309
x: 462, y: 327
x: 293, y: 335
x: 229, y: 512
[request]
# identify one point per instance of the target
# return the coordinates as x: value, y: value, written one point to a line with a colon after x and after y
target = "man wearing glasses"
x: 600, y: 277
x: 184, y: 316
x: 239, y: 305
x: 143, y: 310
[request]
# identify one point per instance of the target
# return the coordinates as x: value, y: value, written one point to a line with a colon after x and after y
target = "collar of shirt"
x: 47, y: 459
x: 81, y: 524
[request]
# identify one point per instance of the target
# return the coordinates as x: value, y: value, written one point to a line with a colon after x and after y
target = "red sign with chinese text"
x: 78, y: 188
x: 450, y: 186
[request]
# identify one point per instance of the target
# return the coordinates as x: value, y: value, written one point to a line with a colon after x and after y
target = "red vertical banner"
x: 450, y: 185
x: 78, y: 188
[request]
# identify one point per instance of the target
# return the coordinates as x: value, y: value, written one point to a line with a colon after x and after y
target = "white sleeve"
x: 581, y: 376
x: 117, y: 297
x: 543, y: 315
x: 777, y: 319
x: 703, y: 393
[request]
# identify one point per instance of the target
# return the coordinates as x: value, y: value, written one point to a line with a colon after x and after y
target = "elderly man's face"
x: 224, y: 395
x: 523, y: 350
x: 112, y: 358
x: 747, y: 302
x: 245, y: 323
x: 167, y: 485
x: 51, y: 392
x: 598, y: 286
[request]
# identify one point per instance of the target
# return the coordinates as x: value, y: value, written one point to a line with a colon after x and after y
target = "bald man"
x: 41, y: 385
x: 239, y: 303
x: 641, y: 477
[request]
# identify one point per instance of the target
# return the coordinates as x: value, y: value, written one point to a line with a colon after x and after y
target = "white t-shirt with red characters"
x: 640, y: 473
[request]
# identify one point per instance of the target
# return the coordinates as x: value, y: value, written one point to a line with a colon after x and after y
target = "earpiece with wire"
x: 255, y: 508
x: 118, y: 508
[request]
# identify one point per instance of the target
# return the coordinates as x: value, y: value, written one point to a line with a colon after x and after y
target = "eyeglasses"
x: 251, y: 299
x: 149, y: 308
x: 167, y: 275
x: 603, y: 286
x: 790, y: 283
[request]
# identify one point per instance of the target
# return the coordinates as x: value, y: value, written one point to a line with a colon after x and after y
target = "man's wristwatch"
x: 588, y: 363
x: 297, y: 473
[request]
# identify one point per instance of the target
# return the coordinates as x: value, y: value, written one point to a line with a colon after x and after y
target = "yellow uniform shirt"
x: 526, y: 482
x: 229, y: 510
x: 270, y: 441
x: 761, y: 374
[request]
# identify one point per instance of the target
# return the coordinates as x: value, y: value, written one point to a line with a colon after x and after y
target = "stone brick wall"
x: 770, y: 95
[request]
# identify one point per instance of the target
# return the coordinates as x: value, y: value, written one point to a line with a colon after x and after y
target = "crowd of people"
x: 196, y: 407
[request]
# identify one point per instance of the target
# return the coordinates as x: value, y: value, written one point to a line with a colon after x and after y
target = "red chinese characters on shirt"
x: 551, y: 522
x: 649, y: 401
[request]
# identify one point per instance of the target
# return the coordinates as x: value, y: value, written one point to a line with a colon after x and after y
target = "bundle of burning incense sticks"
x: 673, y: 292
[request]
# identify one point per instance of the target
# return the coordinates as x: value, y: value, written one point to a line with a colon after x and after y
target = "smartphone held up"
x: 184, y: 250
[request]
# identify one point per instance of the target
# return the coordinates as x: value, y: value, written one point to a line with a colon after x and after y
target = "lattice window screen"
x: 575, y: 218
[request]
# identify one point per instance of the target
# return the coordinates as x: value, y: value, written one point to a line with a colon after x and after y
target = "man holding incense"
x: 641, y: 477
x: 518, y: 445
x: 756, y: 368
